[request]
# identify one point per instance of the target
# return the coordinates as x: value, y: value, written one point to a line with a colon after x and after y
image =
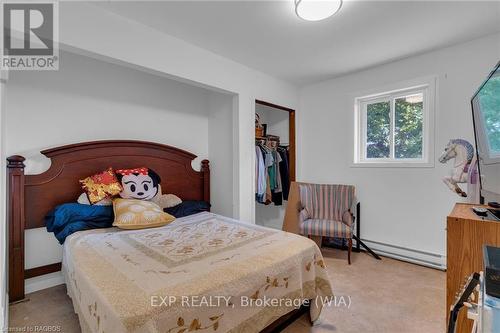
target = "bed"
x: 203, y: 272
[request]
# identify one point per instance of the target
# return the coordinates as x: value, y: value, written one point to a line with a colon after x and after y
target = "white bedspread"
x: 204, y: 272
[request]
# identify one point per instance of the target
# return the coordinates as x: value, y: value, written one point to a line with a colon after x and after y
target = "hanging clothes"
x: 272, y: 175
x: 264, y: 161
x: 260, y: 175
x: 268, y: 198
x: 284, y: 171
x: 269, y: 163
x: 277, y: 195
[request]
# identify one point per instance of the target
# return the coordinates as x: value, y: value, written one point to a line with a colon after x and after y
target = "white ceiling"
x: 268, y: 36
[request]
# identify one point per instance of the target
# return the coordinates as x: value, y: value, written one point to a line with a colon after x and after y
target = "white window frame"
x: 425, y: 86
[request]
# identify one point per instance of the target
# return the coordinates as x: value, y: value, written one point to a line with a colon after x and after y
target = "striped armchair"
x: 326, y: 212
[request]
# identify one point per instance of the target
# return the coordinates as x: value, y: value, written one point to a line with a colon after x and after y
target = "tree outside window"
x: 391, y: 126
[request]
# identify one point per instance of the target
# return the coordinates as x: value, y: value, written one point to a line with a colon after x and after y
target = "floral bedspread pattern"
x: 200, y: 273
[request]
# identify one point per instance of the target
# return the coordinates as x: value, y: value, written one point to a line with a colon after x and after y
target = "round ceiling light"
x: 316, y: 10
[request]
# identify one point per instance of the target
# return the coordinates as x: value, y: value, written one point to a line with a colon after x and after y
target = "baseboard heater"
x: 406, y: 254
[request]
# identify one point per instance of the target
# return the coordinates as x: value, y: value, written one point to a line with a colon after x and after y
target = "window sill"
x: 392, y: 165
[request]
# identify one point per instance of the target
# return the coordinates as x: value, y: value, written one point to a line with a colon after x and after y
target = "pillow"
x: 68, y: 218
x: 83, y: 199
x: 187, y: 208
x: 139, y: 214
x: 167, y: 200
x: 101, y: 185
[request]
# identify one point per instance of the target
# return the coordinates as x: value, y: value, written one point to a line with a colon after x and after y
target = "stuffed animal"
x: 144, y: 184
x: 139, y: 183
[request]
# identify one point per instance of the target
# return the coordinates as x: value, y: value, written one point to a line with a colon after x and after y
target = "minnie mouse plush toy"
x: 139, y: 183
x: 144, y: 184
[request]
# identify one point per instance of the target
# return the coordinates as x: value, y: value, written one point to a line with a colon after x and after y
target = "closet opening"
x: 275, y: 162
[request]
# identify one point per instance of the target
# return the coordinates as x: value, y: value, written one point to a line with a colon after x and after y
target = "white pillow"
x: 84, y: 200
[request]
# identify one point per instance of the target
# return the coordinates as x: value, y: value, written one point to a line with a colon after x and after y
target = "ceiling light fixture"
x: 316, y: 10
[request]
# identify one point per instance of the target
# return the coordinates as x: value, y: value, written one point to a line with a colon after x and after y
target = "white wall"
x: 220, y: 152
x: 405, y: 207
x: 111, y: 35
x: 277, y: 121
x: 88, y: 99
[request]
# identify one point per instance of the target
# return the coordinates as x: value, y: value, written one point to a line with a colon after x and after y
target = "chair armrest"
x: 303, y: 215
x: 348, y: 218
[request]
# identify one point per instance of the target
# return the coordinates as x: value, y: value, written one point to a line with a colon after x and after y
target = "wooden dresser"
x: 466, y: 235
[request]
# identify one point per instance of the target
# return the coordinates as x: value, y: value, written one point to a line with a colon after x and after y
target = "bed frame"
x: 31, y: 197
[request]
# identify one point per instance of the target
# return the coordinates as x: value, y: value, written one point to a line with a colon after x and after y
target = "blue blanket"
x: 68, y: 218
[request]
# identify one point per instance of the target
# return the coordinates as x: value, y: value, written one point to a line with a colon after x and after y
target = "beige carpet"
x: 386, y: 296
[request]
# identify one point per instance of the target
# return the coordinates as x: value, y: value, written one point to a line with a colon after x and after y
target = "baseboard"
x: 413, y: 256
x: 43, y: 282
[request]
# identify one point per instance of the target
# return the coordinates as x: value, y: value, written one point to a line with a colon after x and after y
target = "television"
x: 486, y: 118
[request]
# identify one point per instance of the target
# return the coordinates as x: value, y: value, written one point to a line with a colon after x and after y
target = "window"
x: 393, y: 128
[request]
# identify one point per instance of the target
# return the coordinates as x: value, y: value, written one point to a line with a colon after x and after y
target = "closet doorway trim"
x: 291, y: 133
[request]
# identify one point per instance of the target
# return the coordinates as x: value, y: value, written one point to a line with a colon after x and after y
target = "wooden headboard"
x: 31, y: 197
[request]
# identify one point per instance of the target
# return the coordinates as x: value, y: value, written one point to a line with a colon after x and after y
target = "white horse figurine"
x: 463, y: 153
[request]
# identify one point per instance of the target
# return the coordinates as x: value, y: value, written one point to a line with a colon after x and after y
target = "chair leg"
x: 317, y: 239
x: 349, y: 250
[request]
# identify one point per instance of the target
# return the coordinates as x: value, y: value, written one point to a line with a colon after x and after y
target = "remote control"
x: 494, y: 204
x: 480, y: 211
